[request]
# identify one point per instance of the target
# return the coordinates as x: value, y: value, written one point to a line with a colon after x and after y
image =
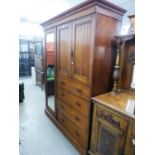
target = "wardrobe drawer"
x: 74, y: 101
x: 76, y: 117
x: 74, y: 87
x: 77, y: 133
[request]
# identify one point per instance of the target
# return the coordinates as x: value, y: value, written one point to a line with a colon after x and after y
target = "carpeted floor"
x: 38, y: 135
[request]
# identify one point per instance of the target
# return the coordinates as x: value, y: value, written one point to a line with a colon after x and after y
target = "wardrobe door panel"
x: 82, y: 35
x: 64, y: 49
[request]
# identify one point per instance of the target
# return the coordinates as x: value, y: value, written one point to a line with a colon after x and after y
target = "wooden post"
x: 120, y: 40
x: 116, y: 73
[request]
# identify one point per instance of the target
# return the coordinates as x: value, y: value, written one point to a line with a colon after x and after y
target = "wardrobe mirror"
x: 50, y: 71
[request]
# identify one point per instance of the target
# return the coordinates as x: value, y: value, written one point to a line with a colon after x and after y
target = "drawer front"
x: 77, y: 118
x: 76, y: 132
x: 113, y: 119
x: 74, y: 87
x: 74, y: 101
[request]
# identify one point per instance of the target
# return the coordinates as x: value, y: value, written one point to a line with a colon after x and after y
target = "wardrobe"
x: 83, y: 37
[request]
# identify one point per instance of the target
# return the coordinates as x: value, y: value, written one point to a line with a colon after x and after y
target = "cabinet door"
x: 64, y: 49
x: 108, y: 134
x: 82, y: 49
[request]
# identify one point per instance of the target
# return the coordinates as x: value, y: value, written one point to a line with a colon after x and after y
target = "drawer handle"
x: 62, y: 94
x: 133, y: 141
x: 77, y: 118
x: 78, y: 104
x: 77, y: 134
x: 62, y: 83
x: 62, y: 107
x: 62, y: 120
x: 79, y: 90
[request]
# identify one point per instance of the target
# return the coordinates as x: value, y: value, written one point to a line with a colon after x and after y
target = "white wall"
x: 129, y: 5
x: 29, y: 29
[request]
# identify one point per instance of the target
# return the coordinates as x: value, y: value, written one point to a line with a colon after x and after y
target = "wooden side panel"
x: 106, y: 28
x: 128, y: 54
x: 82, y: 49
x: 64, y: 49
x: 130, y: 139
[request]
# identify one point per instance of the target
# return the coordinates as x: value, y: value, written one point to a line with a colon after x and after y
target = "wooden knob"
x: 77, y: 134
x: 77, y: 118
x: 62, y: 107
x: 62, y: 83
x: 62, y: 94
x: 62, y: 120
x: 78, y: 104
x: 78, y: 90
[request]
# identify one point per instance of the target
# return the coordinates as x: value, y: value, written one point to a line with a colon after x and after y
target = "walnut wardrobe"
x: 82, y: 39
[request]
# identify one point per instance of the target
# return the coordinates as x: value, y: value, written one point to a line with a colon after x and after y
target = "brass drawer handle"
x: 78, y: 104
x: 77, y: 118
x: 77, y: 134
x: 79, y: 90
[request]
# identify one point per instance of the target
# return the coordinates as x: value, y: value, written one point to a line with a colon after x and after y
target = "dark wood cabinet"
x: 112, y: 128
x: 84, y: 63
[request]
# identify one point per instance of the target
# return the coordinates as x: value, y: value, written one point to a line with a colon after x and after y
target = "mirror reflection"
x: 50, y: 70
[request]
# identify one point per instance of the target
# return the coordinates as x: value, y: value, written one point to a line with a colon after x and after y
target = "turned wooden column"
x: 116, y: 73
x: 120, y: 41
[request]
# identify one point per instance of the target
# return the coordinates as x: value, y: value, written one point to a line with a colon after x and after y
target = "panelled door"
x: 82, y: 50
x: 64, y: 49
x: 108, y: 132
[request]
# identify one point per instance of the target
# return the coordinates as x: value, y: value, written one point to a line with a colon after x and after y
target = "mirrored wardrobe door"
x: 50, y: 76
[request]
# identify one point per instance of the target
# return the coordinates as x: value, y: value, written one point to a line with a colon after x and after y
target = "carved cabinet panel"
x: 108, y: 132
